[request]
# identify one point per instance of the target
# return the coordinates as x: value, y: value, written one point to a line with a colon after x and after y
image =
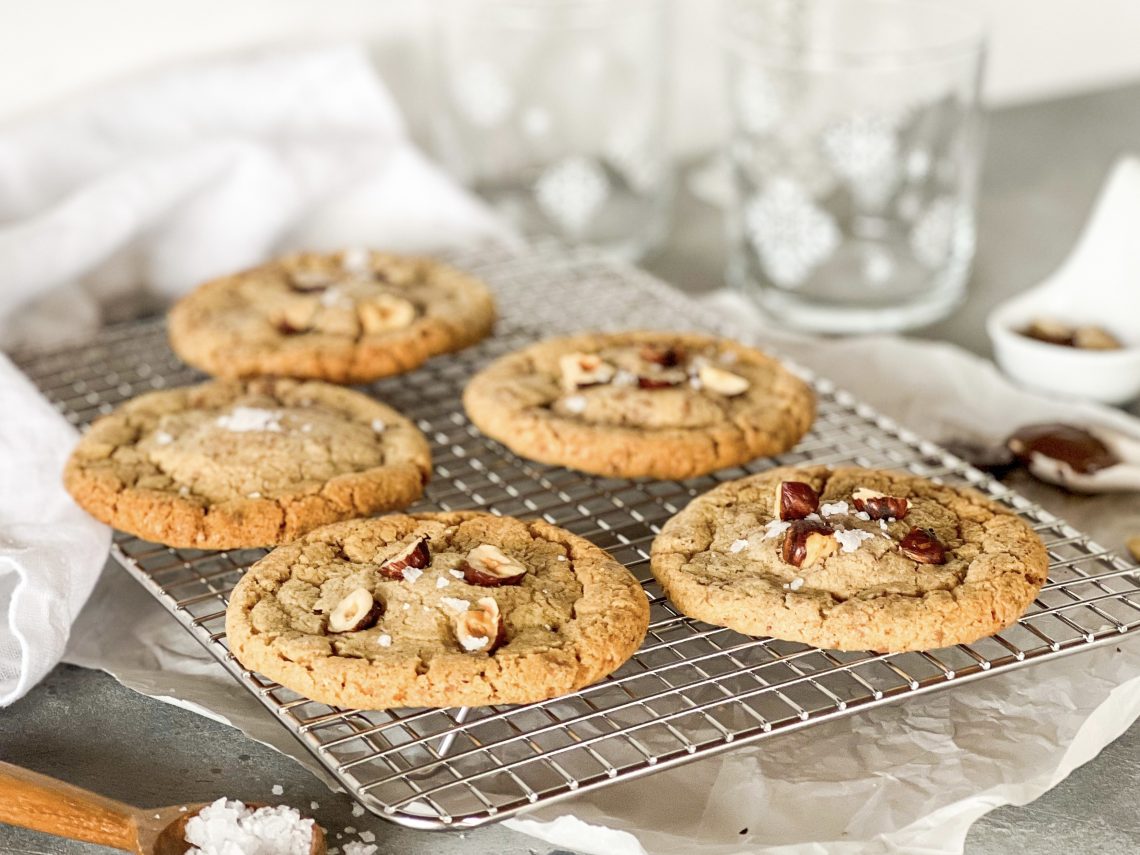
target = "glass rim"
x: 781, y: 52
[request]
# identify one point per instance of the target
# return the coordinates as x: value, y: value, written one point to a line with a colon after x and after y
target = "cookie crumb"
x: 357, y: 809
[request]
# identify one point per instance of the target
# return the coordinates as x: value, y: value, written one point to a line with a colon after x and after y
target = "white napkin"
x: 163, y: 182
x: 156, y: 185
x: 50, y: 551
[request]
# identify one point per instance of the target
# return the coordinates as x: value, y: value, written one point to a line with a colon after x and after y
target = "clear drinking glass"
x: 554, y: 111
x: 855, y: 151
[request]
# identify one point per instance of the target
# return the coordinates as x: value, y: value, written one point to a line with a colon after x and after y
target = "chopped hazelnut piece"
x: 479, y: 629
x: 1095, y: 338
x: 415, y: 555
x: 722, y: 382
x: 357, y: 611
x: 879, y: 506
x: 489, y: 567
x: 795, y: 500
x: 923, y: 546
x: 385, y: 313
x: 808, y: 542
x: 584, y: 369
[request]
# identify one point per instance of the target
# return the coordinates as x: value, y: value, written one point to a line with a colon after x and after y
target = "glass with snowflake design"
x: 855, y: 151
x: 554, y: 112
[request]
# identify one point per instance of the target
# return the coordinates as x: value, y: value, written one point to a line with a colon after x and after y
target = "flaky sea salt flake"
x: 775, y: 528
x: 249, y: 419
x: 575, y: 404
x: 738, y: 546
x: 412, y: 574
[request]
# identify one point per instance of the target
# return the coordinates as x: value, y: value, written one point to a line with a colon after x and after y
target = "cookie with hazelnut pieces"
x: 323, y: 618
x: 634, y: 404
x: 228, y: 464
x: 345, y: 317
x: 850, y: 559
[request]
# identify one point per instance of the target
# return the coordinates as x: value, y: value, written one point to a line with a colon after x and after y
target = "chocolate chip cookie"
x: 228, y: 464
x: 850, y: 559
x: 456, y: 609
x: 347, y: 317
x: 656, y: 404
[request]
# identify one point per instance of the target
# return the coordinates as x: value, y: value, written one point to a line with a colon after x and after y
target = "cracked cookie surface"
x: 228, y: 464
x: 722, y: 560
x: 346, y: 317
x: 633, y: 404
x: 575, y: 616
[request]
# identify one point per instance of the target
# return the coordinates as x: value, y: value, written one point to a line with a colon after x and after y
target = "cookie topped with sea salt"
x: 498, y: 610
x: 227, y: 464
x: 641, y: 404
x: 346, y: 317
x: 850, y: 559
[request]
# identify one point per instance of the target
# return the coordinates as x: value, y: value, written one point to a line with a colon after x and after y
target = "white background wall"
x: 51, y: 49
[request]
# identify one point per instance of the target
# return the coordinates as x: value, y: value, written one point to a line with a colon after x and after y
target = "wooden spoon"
x: 31, y: 800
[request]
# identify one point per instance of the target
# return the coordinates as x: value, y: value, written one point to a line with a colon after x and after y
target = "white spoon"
x: 1084, y: 460
x: 1097, y: 285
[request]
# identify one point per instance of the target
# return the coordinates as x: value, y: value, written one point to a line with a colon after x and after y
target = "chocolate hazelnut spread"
x: 1078, y: 448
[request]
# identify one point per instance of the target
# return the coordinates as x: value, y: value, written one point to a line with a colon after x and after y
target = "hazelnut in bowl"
x: 1077, y: 334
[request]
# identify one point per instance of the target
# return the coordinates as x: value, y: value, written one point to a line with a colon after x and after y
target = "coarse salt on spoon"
x: 31, y: 800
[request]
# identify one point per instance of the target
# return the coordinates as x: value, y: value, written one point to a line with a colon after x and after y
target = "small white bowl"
x: 1098, y: 285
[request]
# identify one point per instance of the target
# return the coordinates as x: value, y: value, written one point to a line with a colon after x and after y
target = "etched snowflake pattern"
x: 791, y: 235
x: 483, y: 95
x: 864, y: 151
x: 757, y: 101
x: 630, y: 150
x: 571, y: 192
x: 943, y: 233
x: 878, y: 266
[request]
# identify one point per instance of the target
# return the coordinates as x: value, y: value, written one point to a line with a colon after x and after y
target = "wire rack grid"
x: 693, y: 689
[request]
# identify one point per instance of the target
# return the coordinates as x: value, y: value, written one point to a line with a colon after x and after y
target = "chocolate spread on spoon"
x: 1078, y: 448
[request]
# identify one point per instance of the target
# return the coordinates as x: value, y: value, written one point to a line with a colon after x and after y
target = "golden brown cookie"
x: 850, y: 559
x: 228, y: 464
x: 457, y: 609
x: 631, y: 404
x: 347, y: 317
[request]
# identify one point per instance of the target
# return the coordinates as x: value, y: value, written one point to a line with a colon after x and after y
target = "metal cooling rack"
x: 692, y: 689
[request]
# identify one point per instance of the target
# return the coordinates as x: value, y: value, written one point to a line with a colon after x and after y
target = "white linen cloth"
x: 156, y: 185
x: 50, y: 551
x: 164, y: 182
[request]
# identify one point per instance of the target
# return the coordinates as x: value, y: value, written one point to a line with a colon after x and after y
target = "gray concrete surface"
x: 1044, y: 165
